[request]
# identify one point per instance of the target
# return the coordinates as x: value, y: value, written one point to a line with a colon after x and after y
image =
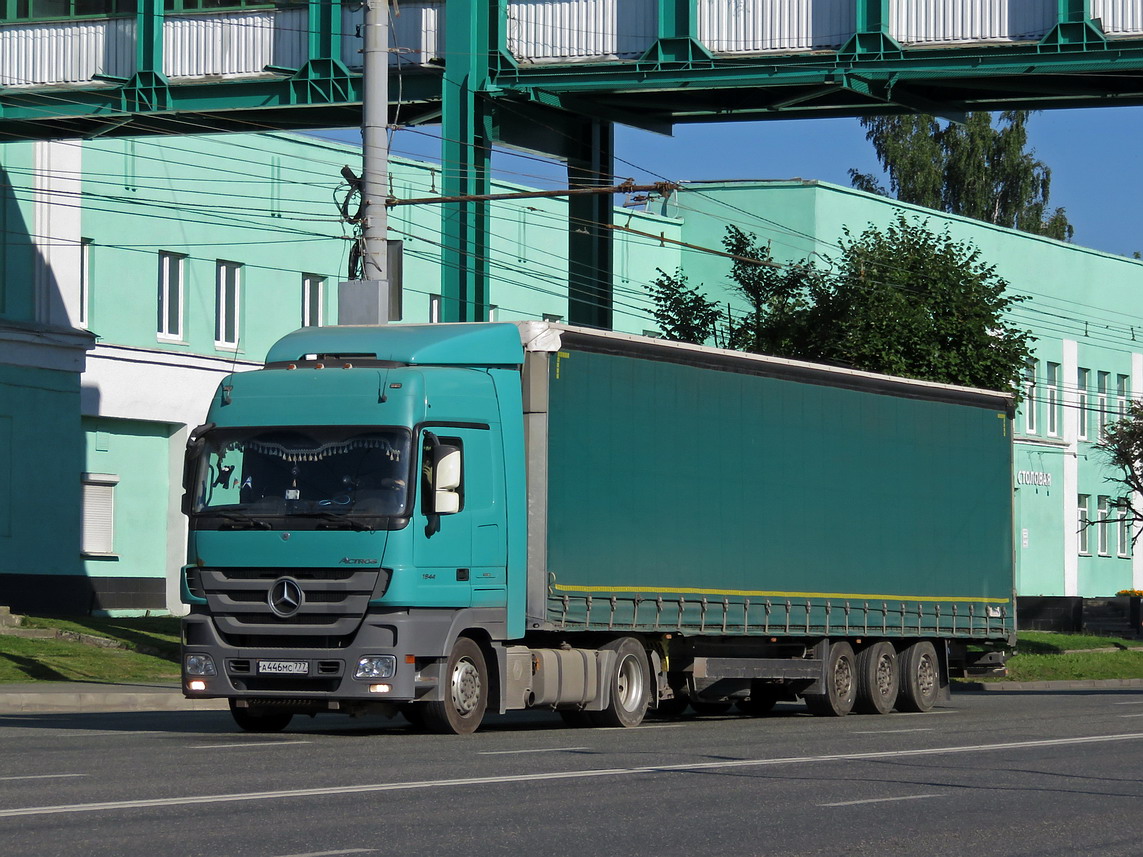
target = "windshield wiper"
x: 241, y: 520
x: 338, y: 522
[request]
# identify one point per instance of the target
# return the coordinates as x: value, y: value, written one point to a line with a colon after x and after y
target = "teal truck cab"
x: 441, y: 519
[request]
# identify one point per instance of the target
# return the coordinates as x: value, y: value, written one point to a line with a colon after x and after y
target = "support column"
x: 147, y: 88
x: 591, y: 163
x: 1076, y: 30
x: 872, y: 39
x: 678, y: 35
x: 466, y: 149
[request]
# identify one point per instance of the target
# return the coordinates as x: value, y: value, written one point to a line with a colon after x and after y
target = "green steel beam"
x: 590, y: 216
x: 872, y: 39
x: 1076, y: 30
x: 467, y: 133
x: 678, y: 42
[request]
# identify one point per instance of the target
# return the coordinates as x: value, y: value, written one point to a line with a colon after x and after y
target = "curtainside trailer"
x: 441, y: 520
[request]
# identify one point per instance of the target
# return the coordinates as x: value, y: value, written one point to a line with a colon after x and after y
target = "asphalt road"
x: 1054, y: 773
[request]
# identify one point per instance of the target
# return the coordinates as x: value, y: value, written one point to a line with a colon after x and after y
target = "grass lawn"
x: 24, y: 660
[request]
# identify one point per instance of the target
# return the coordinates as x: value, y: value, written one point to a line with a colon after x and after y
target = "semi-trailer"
x: 445, y: 519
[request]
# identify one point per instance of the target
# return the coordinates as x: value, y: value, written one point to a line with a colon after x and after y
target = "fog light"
x: 380, y: 688
x: 199, y: 665
x: 197, y: 684
x: 376, y: 666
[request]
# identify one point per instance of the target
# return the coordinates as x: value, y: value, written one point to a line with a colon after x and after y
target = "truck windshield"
x: 334, y: 474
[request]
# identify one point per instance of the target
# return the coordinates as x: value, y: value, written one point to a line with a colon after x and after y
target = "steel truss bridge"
x: 553, y: 76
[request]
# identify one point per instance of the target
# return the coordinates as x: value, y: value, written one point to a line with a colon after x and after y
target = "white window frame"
x: 1101, y: 382
x: 1083, y: 379
x: 1083, y: 515
x: 84, y: 280
x: 313, y: 305
x: 434, y: 309
x: 1103, y: 508
x: 1030, y: 403
x: 1053, y: 399
x: 168, y: 263
x: 227, y: 314
x: 1122, y: 394
x: 98, y: 533
x: 1124, y: 528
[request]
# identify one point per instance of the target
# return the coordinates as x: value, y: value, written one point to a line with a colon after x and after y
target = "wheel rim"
x: 885, y: 675
x: 465, y: 686
x: 629, y: 683
x: 843, y: 678
x: 926, y: 676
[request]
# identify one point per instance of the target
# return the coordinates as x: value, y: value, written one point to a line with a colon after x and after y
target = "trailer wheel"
x: 840, y: 683
x: 878, y: 679
x: 260, y: 720
x: 920, y: 677
x: 466, y: 692
x: 630, y: 685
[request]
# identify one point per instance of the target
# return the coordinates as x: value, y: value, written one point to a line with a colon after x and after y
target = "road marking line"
x: 334, y: 791
x: 334, y: 853
x: 641, y: 727
x: 254, y: 745
x: 545, y: 750
x: 877, y: 800
x: 1138, y: 702
x: 42, y: 777
x: 1131, y: 715
x: 892, y: 731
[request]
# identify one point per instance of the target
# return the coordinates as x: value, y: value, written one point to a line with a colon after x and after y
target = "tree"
x: 974, y: 169
x: 683, y: 313
x: 900, y: 300
x: 1122, y: 444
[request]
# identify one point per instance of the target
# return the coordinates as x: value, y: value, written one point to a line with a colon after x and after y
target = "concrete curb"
x: 1017, y: 686
x: 64, y: 698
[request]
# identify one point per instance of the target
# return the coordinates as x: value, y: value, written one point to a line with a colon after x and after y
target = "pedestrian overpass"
x: 551, y: 76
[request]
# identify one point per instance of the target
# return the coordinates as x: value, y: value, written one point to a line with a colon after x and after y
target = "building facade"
x: 136, y: 273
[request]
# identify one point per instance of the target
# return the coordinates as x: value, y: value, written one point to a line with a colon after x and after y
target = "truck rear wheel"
x: 630, y: 685
x: 840, y: 683
x: 465, y: 677
x: 260, y: 720
x: 878, y: 679
x: 920, y: 677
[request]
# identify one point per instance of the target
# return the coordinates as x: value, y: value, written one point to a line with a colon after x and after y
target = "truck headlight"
x: 199, y: 665
x: 376, y: 666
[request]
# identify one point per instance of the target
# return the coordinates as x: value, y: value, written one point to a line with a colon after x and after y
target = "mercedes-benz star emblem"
x: 285, y: 597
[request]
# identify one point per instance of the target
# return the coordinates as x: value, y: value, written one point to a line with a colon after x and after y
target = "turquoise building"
x: 135, y: 273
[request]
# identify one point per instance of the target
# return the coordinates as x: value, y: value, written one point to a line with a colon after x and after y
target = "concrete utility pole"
x: 371, y: 300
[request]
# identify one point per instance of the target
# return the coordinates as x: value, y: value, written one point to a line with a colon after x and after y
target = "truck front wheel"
x: 465, y: 677
x: 259, y: 720
x: 630, y: 685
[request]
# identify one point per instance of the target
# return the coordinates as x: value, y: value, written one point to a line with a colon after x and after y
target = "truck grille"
x: 331, y: 605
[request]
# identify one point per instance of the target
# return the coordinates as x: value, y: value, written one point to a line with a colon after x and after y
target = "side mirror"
x: 446, y: 481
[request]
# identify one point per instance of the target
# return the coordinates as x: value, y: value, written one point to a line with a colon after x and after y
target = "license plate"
x: 284, y: 667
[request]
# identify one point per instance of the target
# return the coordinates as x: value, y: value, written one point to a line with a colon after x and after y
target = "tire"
x: 920, y: 678
x: 840, y: 683
x: 671, y: 708
x: 465, y: 678
x: 763, y: 697
x: 630, y: 685
x: 260, y: 720
x: 878, y: 679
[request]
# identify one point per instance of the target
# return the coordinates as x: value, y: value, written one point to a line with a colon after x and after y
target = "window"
x: 170, y: 325
x: 1101, y: 383
x: 1103, y: 509
x: 1053, y: 399
x: 313, y: 297
x: 1123, y: 513
x: 98, y: 536
x: 1030, y: 403
x: 227, y: 302
x: 84, y: 280
x: 1122, y: 394
x: 434, y: 308
x: 1083, y: 378
x: 1084, y: 516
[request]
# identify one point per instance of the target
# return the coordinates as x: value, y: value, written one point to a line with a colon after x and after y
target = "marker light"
x: 380, y: 688
x: 197, y: 684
